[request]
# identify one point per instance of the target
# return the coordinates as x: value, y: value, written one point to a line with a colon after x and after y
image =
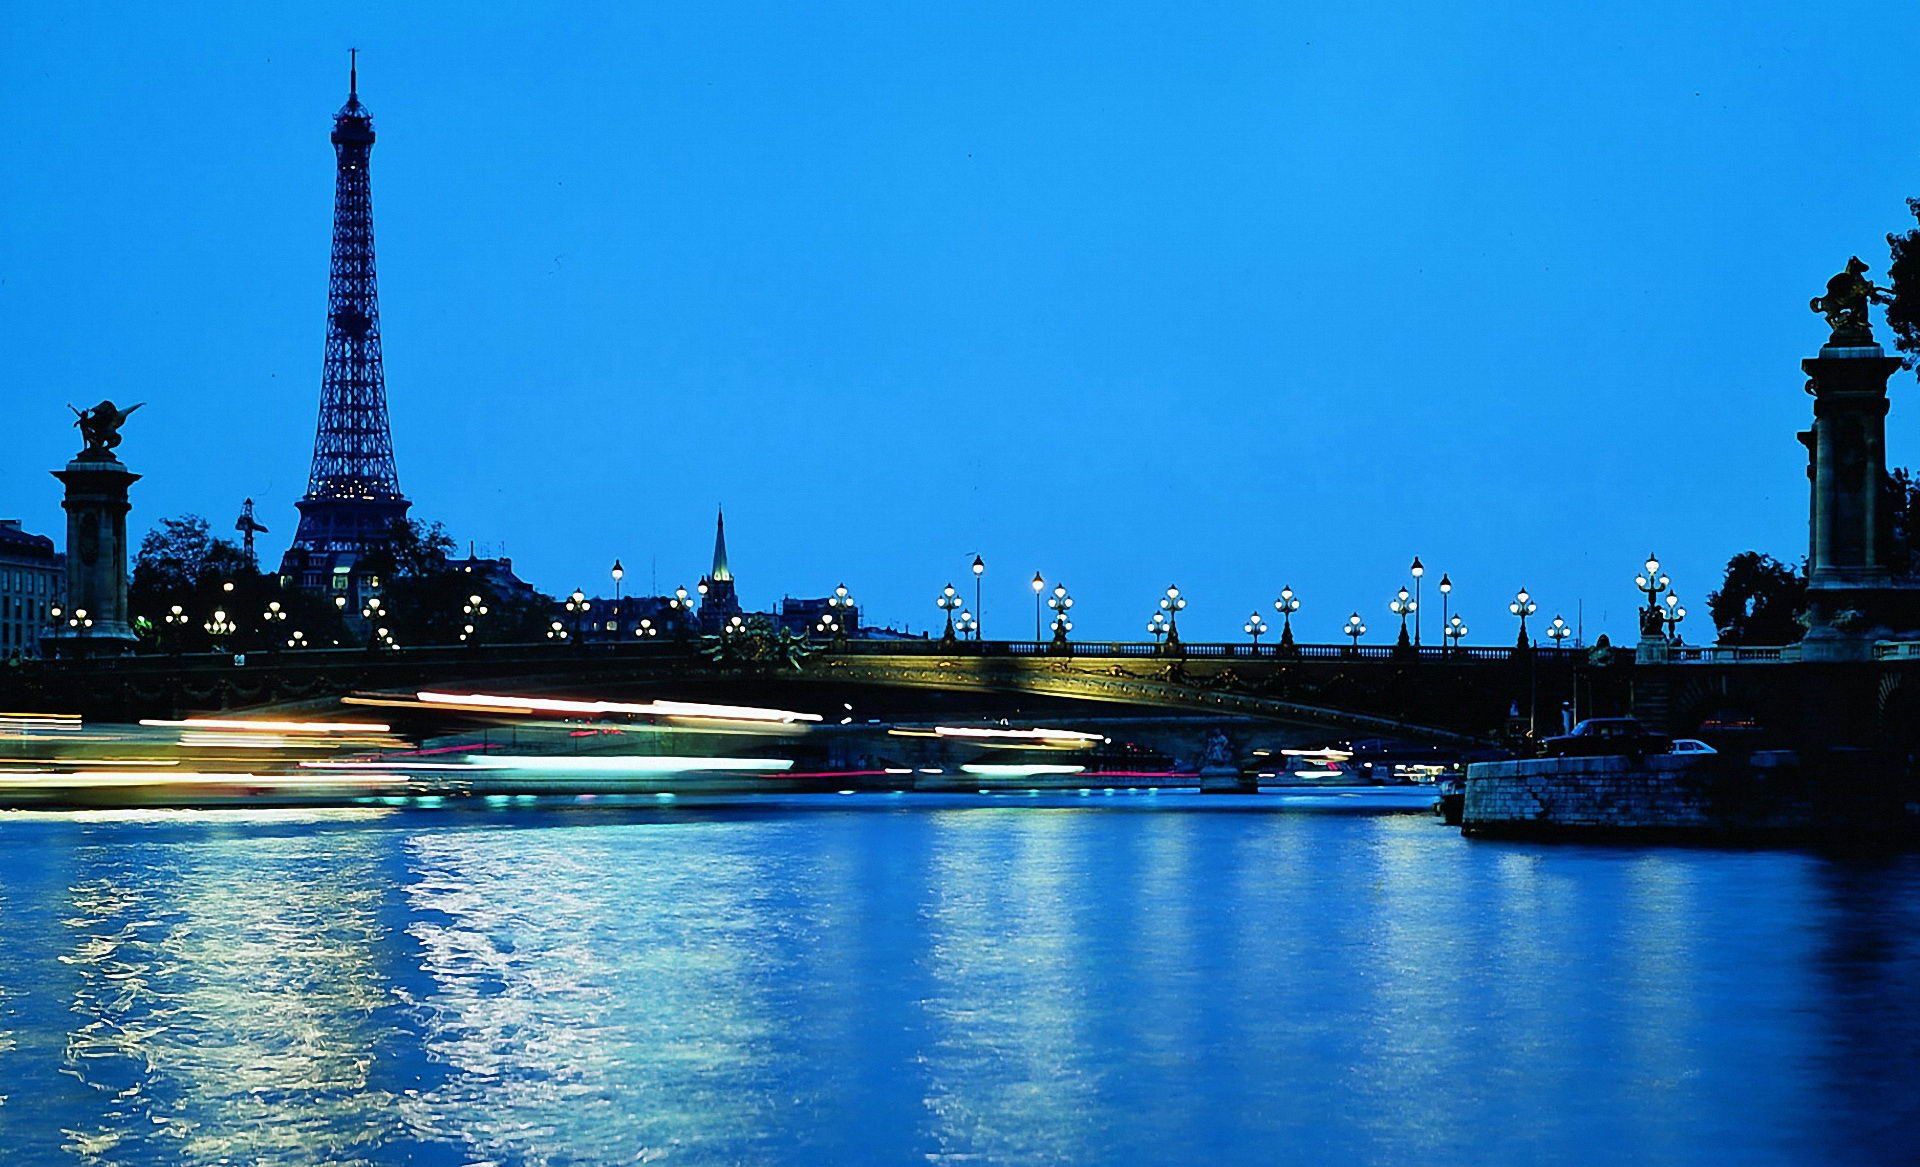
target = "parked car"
x: 1597, y: 736
x: 1690, y: 745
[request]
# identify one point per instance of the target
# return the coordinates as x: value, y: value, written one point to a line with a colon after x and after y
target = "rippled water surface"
x: 882, y: 979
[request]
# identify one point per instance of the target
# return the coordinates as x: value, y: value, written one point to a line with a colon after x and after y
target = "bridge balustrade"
x: 1715, y: 654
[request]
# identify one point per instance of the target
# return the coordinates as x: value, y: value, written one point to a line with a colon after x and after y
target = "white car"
x: 1687, y: 745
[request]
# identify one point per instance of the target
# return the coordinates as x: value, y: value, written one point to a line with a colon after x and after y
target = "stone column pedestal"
x: 1853, y: 595
x: 96, y: 506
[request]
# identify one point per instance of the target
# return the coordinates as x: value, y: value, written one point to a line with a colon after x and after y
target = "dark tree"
x: 1760, y: 601
x: 1903, y: 311
x: 1902, y: 518
x: 180, y: 562
x: 421, y: 589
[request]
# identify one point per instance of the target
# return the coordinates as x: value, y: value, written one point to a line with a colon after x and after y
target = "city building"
x: 32, y: 580
x: 626, y: 618
x: 818, y: 616
x: 718, y: 601
x: 353, y: 494
x: 495, y: 577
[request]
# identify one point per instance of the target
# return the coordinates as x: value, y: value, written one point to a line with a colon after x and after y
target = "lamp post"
x: 1355, y: 629
x: 1653, y: 582
x: 556, y: 630
x: 1171, y: 603
x: 619, y: 573
x: 979, y: 569
x: 80, y: 622
x: 827, y: 625
x: 736, y: 625
x: 577, y: 607
x: 1403, y: 605
x: 840, y: 609
x: 176, y: 620
x: 1156, y: 628
x: 968, y: 625
x: 947, y: 601
x: 1418, y: 571
x: 1455, y: 630
x: 1671, y: 617
x: 1286, y: 605
x: 1039, y: 585
x: 1446, y: 594
x: 373, y: 612
x: 645, y: 629
x: 1255, y: 627
x: 473, y: 609
x: 681, y: 605
x: 1523, y: 607
x: 1062, y: 604
x: 1558, y: 631
x: 296, y: 639
x: 219, y: 627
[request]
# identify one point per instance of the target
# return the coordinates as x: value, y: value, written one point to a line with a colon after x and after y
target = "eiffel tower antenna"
x: 353, y: 494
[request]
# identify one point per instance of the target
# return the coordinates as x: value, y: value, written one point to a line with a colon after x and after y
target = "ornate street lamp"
x: 1418, y: 570
x: 1403, y: 605
x: 1523, y: 607
x: 374, y: 611
x: 947, y: 601
x: 1455, y: 630
x: 979, y: 569
x: 176, y: 620
x: 1256, y: 628
x: 681, y: 605
x: 297, y: 639
x: 645, y: 629
x: 735, y: 626
x: 827, y: 625
x: 275, y: 616
x: 1356, y: 628
x: 556, y: 631
x: 1171, y: 603
x: 1286, y: 605
x: 1672, y: 616
x: 1446, y: 594
x: 967, y: 625
x: 840, y: 611
x: 218, y: 627
x: 1558, y: 631
x: 1039, y: 585
x: 619, y: 573
x: 1156, y: 628
x: 577, y: 607
x: 1062, y: 604
x: 473, y: 609
x: 1652, y: 583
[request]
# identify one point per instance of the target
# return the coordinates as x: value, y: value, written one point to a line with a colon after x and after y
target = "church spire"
x: 720, y: 570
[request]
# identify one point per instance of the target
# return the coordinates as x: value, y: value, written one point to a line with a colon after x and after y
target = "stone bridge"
x: 1444, y: 696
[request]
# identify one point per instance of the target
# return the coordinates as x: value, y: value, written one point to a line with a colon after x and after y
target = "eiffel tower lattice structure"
x: 353, y: 494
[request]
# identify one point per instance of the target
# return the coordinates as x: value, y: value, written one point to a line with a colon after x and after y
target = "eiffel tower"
x: 353, y: 491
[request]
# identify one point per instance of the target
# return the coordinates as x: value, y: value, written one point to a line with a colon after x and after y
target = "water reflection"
x: 225, y: 1000
x: 591, y: 994
x: 999, y: 985
x: 1009, y: 1078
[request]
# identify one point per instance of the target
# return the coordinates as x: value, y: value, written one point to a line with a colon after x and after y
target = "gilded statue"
x: 1845, y: 305
x: 100, y: 427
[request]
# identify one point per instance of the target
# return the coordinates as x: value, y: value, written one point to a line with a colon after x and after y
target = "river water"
x: 896, y: 979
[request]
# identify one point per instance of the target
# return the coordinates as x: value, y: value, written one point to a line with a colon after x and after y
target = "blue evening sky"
x: 1232, y: 296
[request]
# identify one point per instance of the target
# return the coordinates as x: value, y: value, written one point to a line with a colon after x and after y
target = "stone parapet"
x: 1697, y: 796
